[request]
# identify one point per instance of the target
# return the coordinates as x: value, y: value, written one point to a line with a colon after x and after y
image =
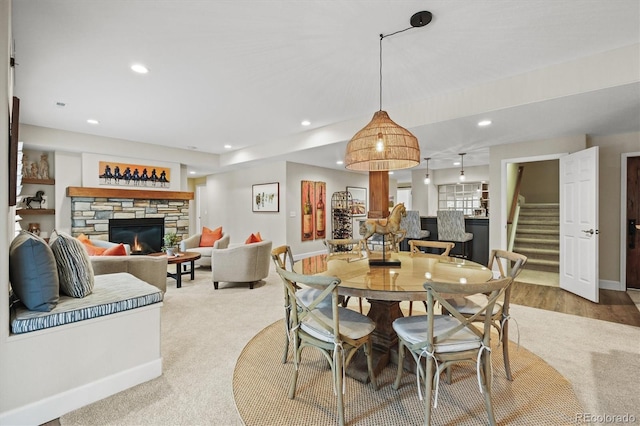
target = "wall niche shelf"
x: 34, y: 212
x: 32, y: 181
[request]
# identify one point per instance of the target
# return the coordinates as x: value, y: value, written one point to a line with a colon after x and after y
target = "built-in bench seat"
x: 111, y: 293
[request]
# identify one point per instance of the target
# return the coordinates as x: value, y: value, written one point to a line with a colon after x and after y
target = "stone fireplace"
x: 92, y: 208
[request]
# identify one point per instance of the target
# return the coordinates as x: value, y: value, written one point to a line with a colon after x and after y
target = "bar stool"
x: 451, y: 228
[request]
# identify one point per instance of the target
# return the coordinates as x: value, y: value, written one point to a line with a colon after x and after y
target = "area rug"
x: 538, y: 395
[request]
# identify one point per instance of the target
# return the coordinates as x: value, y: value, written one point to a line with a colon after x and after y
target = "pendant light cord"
x: 381, y: 37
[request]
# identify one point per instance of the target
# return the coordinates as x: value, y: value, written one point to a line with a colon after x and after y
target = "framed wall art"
x: 266, y: 197
x: 358, y: 205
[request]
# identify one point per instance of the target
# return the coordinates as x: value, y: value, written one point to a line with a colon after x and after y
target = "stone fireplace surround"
x: 91, y: 209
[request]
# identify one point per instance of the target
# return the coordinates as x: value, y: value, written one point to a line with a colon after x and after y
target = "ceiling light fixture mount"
x: 427, y: 180
x: 383, y: 145
x: 462, y: 154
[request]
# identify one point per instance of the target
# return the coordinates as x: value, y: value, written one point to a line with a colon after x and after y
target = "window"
x: 460, y: 196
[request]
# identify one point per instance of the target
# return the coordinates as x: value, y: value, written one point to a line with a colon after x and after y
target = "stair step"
x: 538, y: 222
x: 544, y: 262
x: 538, y: 213
x: 521, y: 241
x: 538, y: 230
x: 536, y: 251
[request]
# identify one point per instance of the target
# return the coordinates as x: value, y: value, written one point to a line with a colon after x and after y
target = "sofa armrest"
x: 245, y: 263
x: 222, y: 243
x: 191, y: 242
x: 152, y: 269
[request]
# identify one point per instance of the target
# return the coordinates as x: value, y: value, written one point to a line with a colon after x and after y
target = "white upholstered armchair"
x: 246, y: 263
x: 193, y: 244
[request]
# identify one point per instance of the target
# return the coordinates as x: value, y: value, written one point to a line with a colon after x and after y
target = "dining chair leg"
x: 360, y: 303
x: 428, y: 385
x: 369, y: 352
x: 285, y: 354
x: 337, y: 377
x: 294, y: 377
x: 486, y: 385
x: 410, y: 307
x: 505, y: 350
x: 401, y: 351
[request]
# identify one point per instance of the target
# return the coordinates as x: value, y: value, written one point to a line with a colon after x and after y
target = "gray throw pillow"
x: 74, y: 267
x: 33, y: 273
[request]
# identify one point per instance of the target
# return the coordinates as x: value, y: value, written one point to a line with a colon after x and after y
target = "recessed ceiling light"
x: 139, y: 68
x: 305, y: 122
x: 192, y: 172
x: 339, y: 162
x: 92, y: 121
x: 484, y: 123
x: 227, y: 146
x: 456, y: 163
x: 390, y: 173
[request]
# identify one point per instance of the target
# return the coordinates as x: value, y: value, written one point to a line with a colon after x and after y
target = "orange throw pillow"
x: 118, y: 250
x: 209, y: 237
x: 84, y: 239
x: 253, y: 238
x: 93, y: 250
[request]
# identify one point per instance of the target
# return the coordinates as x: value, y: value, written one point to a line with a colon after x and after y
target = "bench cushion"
x: 111, y: 293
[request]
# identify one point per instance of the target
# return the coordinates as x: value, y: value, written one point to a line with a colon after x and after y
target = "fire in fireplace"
x: 144, y: 235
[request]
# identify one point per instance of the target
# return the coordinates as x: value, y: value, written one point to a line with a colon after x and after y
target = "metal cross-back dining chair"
x: 336, y: 331
x: 451, y: 227
x: 470, y: 305
x: 280, y: 256
x: 445, y: 340
x: 414, y: 249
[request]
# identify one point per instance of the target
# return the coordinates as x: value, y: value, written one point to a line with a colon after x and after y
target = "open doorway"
x: 630, y: 221
x: 535, y: 220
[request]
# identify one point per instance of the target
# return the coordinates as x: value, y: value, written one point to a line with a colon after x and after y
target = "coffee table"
x: 178, y: 260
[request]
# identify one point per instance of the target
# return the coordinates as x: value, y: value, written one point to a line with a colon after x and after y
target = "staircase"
x: 538, y: 236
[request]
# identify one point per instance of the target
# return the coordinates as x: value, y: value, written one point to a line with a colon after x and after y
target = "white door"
x: 579, y: 223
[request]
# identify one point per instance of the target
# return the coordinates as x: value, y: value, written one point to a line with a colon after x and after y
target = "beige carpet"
x: 538, y: 395
x: 204, y: 331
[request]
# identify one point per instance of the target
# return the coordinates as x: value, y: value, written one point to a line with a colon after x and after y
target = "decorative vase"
x: 34, y: 228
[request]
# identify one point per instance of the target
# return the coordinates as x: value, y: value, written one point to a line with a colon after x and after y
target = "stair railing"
x: 512, y: 228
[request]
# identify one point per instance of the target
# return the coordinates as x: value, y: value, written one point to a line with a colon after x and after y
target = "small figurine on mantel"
x: 34, y: 170
x: 26, y: 171
x: 44, y: 167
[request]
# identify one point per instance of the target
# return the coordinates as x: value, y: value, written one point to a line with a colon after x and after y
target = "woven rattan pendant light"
x: 383, y: 144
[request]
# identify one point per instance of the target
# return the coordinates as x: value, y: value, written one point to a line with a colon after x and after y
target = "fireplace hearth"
x: 144, y: 235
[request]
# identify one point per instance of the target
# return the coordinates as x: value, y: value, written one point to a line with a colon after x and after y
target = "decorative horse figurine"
x: 37, y: 198
x: 388, y: 227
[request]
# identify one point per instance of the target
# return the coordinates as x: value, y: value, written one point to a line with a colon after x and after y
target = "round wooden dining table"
x: 386, y: 286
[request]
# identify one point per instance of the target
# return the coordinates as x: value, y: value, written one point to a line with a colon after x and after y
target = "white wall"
x: 229, y: 203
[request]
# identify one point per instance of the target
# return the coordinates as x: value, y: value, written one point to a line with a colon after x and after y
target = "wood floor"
x: 614, y: 306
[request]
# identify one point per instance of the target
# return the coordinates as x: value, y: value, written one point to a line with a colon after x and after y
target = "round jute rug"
x: 538, y: 395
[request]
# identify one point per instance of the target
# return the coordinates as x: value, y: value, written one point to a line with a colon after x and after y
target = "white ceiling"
x: 246, y: 73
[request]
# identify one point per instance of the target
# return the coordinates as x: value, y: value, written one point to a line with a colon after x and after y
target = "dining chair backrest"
x: 513, y: 263
x: 415, y: 245
x: 281, y: 255
x: 439, y: 292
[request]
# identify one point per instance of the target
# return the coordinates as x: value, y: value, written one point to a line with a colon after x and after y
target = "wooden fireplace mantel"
x: 78, y: 191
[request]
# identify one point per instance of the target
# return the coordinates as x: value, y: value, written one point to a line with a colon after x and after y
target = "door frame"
x: 503, y: 187
x: 623, y: 217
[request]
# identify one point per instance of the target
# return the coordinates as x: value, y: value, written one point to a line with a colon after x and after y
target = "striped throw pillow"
x: 75, y: 272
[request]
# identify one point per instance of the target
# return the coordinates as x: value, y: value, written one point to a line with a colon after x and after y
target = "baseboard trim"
x: 611, y: 285
x: 55, y: 406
